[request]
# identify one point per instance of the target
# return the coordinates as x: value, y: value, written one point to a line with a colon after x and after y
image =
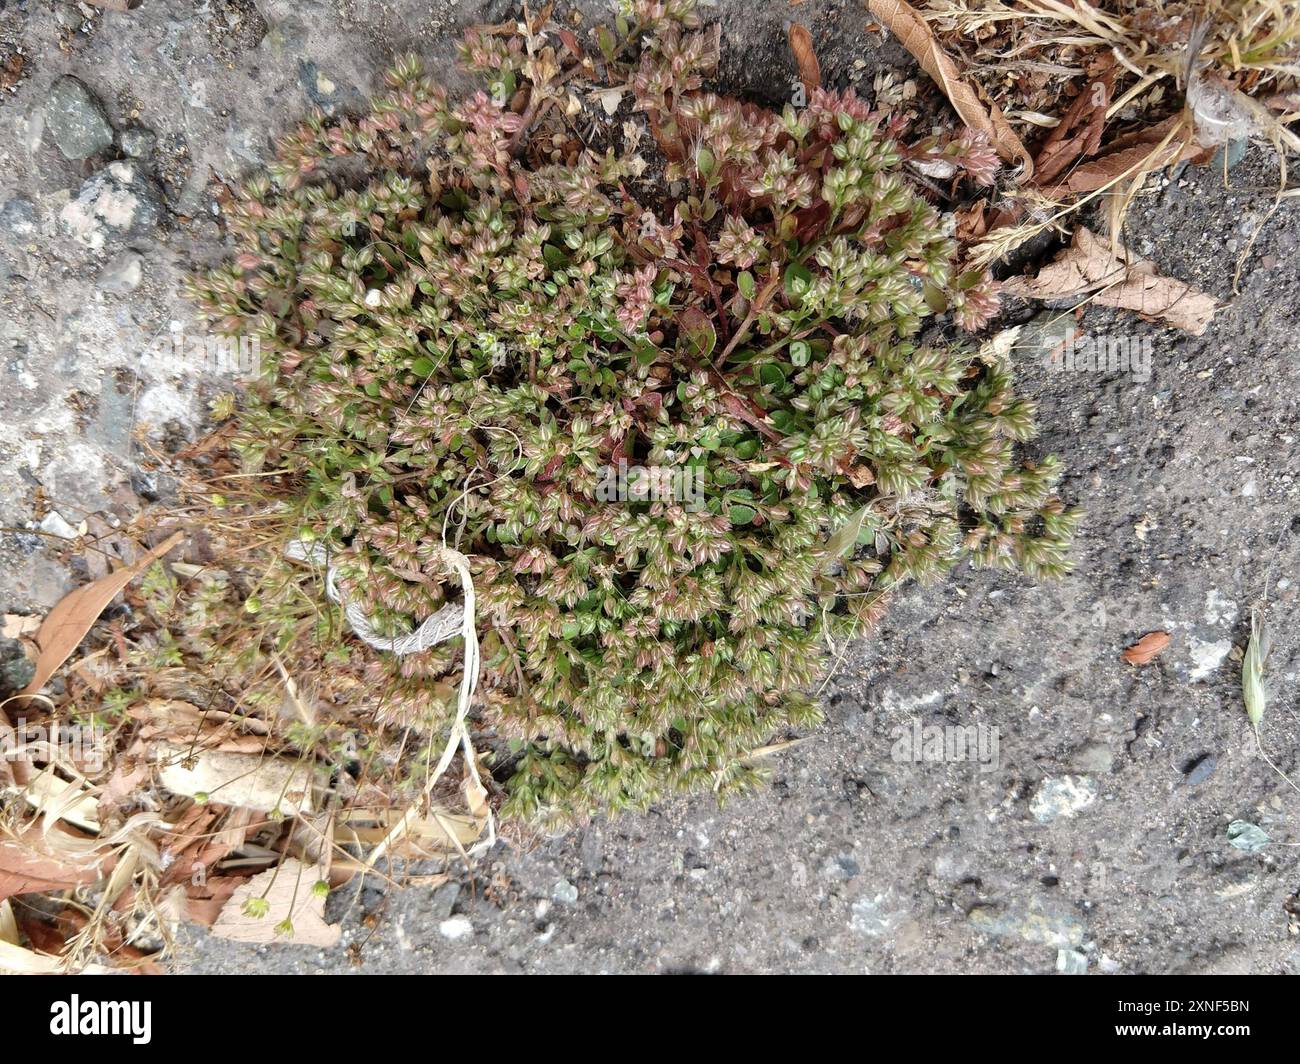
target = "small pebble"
x: 76, y: 121
x: 455, y: 928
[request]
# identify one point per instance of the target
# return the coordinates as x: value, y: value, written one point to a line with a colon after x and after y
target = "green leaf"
x: 697, y: 332
x: 797, y: 279
x: 745, y: 282
x: 842, y: 542
x: 422, y: 367
x: 783, y: 420
x: 741, y: 515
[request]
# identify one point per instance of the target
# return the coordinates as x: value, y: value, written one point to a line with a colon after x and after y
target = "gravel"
x: 76, y: 121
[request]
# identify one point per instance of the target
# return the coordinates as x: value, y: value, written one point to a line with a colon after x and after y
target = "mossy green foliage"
x: 462, y: 335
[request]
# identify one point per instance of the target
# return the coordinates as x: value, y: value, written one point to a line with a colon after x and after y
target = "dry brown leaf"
x: 161, y: 714
x: 915, y: 35
x: 28, y: 865
x: 1146, y: 648
x: 1078, y: 134
x: 128, y: 774
x: 67, y: 624
x: 971, y: 222
x: 1089, y: 265
x: 810, y: 71
x: 1129, y: 157
x: 205, y: 901
x: 288, y: 891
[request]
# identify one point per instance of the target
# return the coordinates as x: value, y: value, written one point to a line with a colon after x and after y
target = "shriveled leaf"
x: 1115, y: 278
x: 1078, y: 135
x: 205, y: 900
x: 1145, y: 649
x: 67, y: 624
x: 1127, y: 158
x: 915, y: 35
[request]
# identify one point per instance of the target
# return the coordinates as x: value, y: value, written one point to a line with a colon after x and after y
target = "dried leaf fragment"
x: 1145, y: 649
x: 1130, y: 157
x: 810, y: 71
x: 30, y: 865
x: 247, y: 781
x: 1090, y: 266
x: 67, y: 624
x: 293, y: 911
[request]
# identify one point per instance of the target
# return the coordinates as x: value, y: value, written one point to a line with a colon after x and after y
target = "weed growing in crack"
x: 467, y: 315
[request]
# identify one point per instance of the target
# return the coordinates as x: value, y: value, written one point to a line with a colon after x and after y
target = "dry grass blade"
x: 1252, y: 687
x: 58, y: 799
x: 906, y: 23
x: 1252, y: 670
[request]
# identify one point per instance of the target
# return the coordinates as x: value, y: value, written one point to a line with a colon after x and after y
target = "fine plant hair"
x: 468, y: 310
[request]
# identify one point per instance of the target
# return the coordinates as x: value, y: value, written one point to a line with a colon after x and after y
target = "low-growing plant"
x: 471, y: 312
